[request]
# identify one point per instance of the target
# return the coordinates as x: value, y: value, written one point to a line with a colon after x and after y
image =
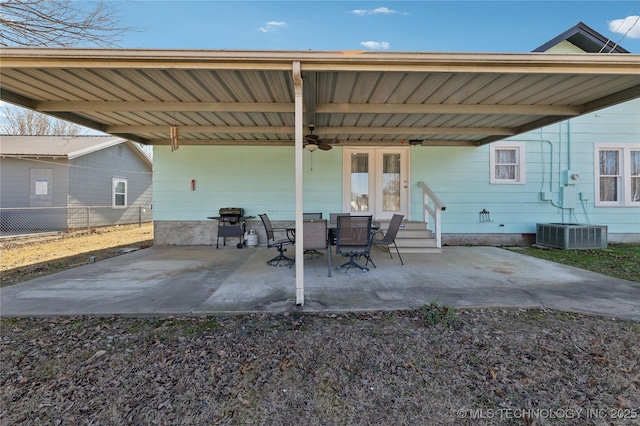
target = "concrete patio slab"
x: 185, y: 281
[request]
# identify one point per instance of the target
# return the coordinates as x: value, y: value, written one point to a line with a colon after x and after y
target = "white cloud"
x: 383, y: 10
x: 629, y: 26
x: 376, y: 45
x: 272, y: 26
x: 377, y: 11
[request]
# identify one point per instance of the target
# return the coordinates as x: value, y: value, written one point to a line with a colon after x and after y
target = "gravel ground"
x: 428, y: 366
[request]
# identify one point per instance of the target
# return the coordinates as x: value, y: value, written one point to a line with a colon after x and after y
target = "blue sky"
x: 406, y: 26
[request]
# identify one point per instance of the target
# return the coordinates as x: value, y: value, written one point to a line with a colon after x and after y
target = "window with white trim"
x: 119, y: 191
x: 617, y: 170
x: 507, y: 163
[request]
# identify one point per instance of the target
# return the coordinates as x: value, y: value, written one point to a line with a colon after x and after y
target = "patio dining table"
x: 331, y: 238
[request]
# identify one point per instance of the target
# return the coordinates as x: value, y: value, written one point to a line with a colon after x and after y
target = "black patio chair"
x: 315, y: 238
x: 311, y: 216
x: 353, y: 239
x: 389, y: 237
x: 333, y: 224
x: 279, y: 243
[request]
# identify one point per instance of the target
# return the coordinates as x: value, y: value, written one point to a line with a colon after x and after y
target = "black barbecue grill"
x: 231, y: 223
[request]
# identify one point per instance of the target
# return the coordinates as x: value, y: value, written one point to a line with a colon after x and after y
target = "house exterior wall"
x: 90, y: 182
x: 460, y: 177
x: 16, y: 185
x: 82, y: 181
x: 18, y: 190
x: 261, y: 180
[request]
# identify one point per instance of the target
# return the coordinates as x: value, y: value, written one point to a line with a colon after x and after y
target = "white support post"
x: 438, y: 226
x: 297, y: 83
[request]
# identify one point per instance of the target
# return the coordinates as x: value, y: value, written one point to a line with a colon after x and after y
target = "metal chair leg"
x: 351, y: 263
x: 397, y: 251
x: 280, y: 258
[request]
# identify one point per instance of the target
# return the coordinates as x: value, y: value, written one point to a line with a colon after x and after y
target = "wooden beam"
x: 124, y: 106
x: 312, y: 108
x: 202, y: 129
x: 309, y: 80
x: 228, y: 142
x: 324, y: 131
x: 347, y: 60
x: 450, y: 109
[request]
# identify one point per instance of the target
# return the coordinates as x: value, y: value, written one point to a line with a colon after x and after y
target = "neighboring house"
x: 60, y: 183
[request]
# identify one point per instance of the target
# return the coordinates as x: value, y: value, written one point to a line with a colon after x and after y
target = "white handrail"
x: 429, y: 197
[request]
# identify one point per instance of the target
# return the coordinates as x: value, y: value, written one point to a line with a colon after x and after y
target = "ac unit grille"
x: 571, y: 235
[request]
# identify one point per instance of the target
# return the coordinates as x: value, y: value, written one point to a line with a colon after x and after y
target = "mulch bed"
x: 426, y: 366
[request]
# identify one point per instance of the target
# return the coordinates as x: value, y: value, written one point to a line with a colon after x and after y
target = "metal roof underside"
x: 362, y: 98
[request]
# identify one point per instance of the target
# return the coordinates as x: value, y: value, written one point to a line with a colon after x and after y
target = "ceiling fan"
x: 313, y: 141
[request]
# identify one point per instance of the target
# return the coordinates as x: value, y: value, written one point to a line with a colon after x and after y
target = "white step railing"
x: 433, y: 209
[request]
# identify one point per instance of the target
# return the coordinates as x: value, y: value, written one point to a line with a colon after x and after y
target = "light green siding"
x: 258, y: 179
x: 460, y: 177
x: 261, y: 179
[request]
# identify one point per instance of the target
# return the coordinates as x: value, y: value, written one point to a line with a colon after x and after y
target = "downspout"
x: 569, y: 145
x: 297, y: 85
x: 550, y: 168
x: 572, y: 211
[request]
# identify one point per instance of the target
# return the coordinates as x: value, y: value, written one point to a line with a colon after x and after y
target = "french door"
x: 376, y: 181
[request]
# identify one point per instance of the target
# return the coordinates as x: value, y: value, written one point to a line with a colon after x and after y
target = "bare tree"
x: 53, y: 23
x: 59, y: 23
x: 25, y: 122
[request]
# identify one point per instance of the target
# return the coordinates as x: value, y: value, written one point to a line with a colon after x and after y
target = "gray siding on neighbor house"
x: 91, y: 177
x: 17, y: 187
x: 79, y: 189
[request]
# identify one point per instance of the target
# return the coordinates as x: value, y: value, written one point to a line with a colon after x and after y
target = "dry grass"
x: 434, y: 365
x: 384, y: 368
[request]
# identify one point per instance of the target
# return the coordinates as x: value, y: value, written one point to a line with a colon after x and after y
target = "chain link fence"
x: 32, y: 220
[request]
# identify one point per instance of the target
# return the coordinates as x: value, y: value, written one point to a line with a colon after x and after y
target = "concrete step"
x: 419, y: 250
x: 415, y: 242
x: 413, y: 237
x: 414, y: 233
x: 384, y: 224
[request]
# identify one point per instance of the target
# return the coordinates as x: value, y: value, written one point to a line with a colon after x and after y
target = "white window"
x: 507, y: 162
x: 119, y: 198
x: 617, y: 170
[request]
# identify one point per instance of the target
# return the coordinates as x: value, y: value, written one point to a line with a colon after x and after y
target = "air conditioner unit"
x: 571, y: 235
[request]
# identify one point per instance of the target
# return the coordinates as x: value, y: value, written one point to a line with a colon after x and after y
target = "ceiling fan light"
x: 311, y: 147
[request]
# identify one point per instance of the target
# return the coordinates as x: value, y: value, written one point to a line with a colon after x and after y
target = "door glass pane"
x: 391, y: 182
x: 359, y: 182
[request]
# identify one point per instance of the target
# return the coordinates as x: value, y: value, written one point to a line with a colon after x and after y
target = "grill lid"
x: 231, y: 211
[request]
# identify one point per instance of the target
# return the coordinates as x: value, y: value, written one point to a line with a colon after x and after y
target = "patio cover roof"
x: 268, y: 98
x: 363, y: 98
